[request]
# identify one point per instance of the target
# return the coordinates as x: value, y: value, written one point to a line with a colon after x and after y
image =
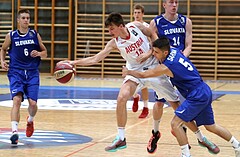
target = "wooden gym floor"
x: 78, y: 120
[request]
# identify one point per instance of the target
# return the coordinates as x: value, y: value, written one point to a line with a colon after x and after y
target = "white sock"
x: 185, y: 150
x: 135, y: 95
x: 234, y: 142
x: 30, y: 118
x: 156, y: 125
x: 121, y: 133
x: 199, y: 135
x: 14, y: 126
x: 145, y: 103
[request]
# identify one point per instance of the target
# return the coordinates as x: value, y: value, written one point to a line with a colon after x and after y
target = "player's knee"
x: 173, y: 124
x: 174, y: 104
x: 211, y: 128
x: 122, y: 98
x: 159, y: 104
x: 32, y: 103
x: 17, y: 99
x: 176, y: 122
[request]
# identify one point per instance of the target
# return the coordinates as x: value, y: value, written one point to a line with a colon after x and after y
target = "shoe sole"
x: 29, y: 135
x: 119, y: 148
x: 14, y: 139
x: 152, y: 152
x: 143, y: 117
x: 207, y: 149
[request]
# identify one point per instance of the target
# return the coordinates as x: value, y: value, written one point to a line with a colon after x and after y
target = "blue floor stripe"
x: 104, y: 89
x: 58, y: 92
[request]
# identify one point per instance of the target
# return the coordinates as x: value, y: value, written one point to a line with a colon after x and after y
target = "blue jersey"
x: 174, y: 31
x: 20, y: 49
x: 186, y: 76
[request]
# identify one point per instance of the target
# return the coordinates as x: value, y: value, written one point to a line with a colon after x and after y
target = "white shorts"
x: 161, y: 85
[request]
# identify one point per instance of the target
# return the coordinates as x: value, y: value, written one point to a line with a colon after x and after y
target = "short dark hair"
x: 139, y: 6
x: 114, y: 18
x: 23, y: 11
x: 162, y: 43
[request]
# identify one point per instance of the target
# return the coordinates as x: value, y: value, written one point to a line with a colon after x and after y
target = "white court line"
x: 93, y: 143
x: 127, y: 128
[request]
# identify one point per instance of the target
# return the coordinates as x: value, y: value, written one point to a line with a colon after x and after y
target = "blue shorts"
x: 197, y: 106
x: 24, y: 81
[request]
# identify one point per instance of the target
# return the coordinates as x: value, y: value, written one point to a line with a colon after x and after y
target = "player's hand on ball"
x: 66, y: 61
x: 64, y: 72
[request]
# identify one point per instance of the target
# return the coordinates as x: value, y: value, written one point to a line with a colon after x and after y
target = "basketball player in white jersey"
x: 131, y: 41
x: 138, y: 13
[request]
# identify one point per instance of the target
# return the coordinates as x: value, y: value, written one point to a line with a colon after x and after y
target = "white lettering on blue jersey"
x: 174, y: 30
x: 186, y: 64
x: 24, y: 42
x: 172, y: 55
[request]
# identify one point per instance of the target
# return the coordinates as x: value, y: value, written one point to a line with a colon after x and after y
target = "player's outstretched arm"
x: 96, y: 58
x: 161, y: 69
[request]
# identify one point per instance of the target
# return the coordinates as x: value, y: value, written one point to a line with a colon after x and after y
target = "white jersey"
x: 136, y: 44
x: 146, y: 24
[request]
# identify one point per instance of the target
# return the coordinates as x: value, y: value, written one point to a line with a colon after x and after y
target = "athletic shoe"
x: 135, y: 103
x: 29, y: 129
x: 116, y: 145
x: 144, y: 113
x: 14, y: 138
x: 152, y: 144
x: 237, y: 151
x: 212, y: 148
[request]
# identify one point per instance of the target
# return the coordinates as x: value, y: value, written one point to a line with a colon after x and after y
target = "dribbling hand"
x: 66, y: 61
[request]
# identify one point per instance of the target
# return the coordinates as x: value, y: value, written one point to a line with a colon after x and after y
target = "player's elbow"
x: 44, y: 54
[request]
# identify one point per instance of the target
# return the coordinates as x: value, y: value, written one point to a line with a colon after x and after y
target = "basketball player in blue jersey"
x: 131, y: 40
x: 198, y: 95
x: 175, y: 26
x: 25, y: 49
x: 178, y: 29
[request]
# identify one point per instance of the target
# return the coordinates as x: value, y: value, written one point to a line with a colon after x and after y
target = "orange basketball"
x: 64, y: 73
